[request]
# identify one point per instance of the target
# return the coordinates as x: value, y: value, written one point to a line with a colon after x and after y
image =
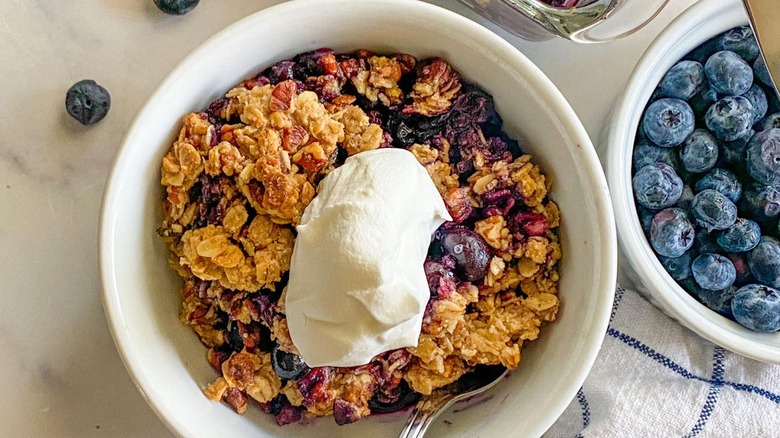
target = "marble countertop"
x: 59, y: 371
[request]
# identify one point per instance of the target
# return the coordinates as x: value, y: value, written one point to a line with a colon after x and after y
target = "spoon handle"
x: 425, y: 413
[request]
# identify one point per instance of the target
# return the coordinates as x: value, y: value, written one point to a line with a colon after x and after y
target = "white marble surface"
x: 59, y: 372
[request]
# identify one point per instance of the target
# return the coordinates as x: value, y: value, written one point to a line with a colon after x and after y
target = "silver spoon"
x: 475, y: 382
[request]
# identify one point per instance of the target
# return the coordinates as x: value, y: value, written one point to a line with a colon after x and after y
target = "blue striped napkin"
x: 655, y: 378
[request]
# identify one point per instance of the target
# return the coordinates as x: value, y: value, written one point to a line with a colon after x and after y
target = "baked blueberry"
x: 679, y: 268
x: 657, y: 186
x: 176, y: 7
x: 740, y: 237
x: 763, y: 157
x: 470, y: 252
x: 764, y: 261
x: 288, y: 366
x: 728, y: 73
x: 729, y: 118
x: 671, y: 233
x: 761, y: 204
x: 713, y: 210
x: 722, y: 180
x: 682, y: 81
x: 741, y: 41
x: 699, y: 152
x: 757, y: 307
x: 87, y: 102
x: 668, y: 122
x: 713, y: 271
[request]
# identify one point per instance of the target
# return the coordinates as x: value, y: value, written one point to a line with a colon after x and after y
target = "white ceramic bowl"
x: 702, y: 21
x: 141, y: 294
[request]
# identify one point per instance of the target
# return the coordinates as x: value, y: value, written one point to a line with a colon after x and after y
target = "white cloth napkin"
x: 655, y: 378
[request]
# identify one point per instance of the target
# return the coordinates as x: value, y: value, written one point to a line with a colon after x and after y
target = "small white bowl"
x: 699, y: 23
x: 141, y: 294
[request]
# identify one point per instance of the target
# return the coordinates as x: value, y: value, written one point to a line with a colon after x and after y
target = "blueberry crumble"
x: 241, y: 173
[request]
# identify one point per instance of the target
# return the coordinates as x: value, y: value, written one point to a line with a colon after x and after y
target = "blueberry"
x: 647, y: 153
x: 668, y: 122
x: 399, y: 398
x: 176, y: 7
x: 768, y: 122
x: 717, y: 300
x: 686, y: 198
x: 713, y: 210
x: 470, y: 252
x: 87, y: 102
x: 671, y: 233
x: 704, y: 243
x: 762, y: 73
x: 728, y: 73
x: 288, y: 366
x: 733, y: 152
x: 657, y: 186
x: 762, y: 204
x: 682, y: 81
x: 741, y: 41
x: 740, y: 237
x: 757, y: 307
x: 645, y: 218
x: 763, y: 156
x: 713, y: 271
x: 758, y: 100
x: 723, y: 181
x: 730, y: 118
x: 739, y: 260
x: 699, y: 152
x: 679, y: 268
x: 764, y: 262
x: 703, y: 100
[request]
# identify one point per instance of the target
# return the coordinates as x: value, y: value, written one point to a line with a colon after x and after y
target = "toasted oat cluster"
x: 240, y: 174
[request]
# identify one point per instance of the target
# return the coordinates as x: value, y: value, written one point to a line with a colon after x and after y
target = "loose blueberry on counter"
x: 657, y: 186
x: 769, y: 122
x: 757, y: 307
x: 713, y: 271
x: 741, y: 41
x: 717, y: 300
x: 762, y: 204
x: 87, y: 102
x: 470, y: 252
x: 743, y: 236
x: 699, y: 152
x: 647, y: 153
x: 728, y: 73
x: 671, y: 233
x: 679, y: 268
x: 288, y: 365
x: 730, y: 118
x: 713, y: 210
x: 758, y: 100
x: 763, y: 157
x: 668, y: 122
x: 682, y: 81
x: 762, y: 73
x: 176, y: 7
x: 764, y: 262
x: 722, y: 180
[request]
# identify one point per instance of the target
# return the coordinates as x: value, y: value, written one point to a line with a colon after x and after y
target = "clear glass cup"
x: 584, y: 21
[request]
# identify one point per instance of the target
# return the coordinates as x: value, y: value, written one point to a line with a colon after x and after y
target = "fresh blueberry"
x: 647, y: 153
x: 728, y: 73
x: 682, y: 81
x: 758, y: 100
x: 713, y: 271
x: 645, y: 218
x: 762, y: 73
x: 87, y: 102
x: 733, y: 152
x: 702, y: 101
x: 668, y: 122
x: 470, y: 252
x: 723, y: 181
x: 740, y: 237
x: 763, y: 156
x: 686, y: 198
x: 288, y: 366
x: 717, y: 300
x: 704, y: 243
x: 741, y: 41
x: 761, y: 204
x: 671, y: 233
x: 764, y: 261
x: 739, y: 260
x: 176, y: 7
x: 757, y: 307
x: 713, y: 210
x: 769, y: 122
x: 730, y: 118
x: 679, y: 268
x: 699, y: 152
x: 657, y: 186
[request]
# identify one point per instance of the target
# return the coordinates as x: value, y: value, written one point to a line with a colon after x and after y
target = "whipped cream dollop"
x: 357, y: 286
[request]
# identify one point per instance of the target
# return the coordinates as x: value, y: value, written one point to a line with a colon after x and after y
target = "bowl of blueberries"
x: 693, y: 163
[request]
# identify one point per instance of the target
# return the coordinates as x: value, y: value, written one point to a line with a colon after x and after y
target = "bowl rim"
x: 604, y: 282
x: 673, y: 299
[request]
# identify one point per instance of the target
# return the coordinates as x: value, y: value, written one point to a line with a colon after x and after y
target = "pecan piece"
x: 281, y: 97
x: 436, y: 88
